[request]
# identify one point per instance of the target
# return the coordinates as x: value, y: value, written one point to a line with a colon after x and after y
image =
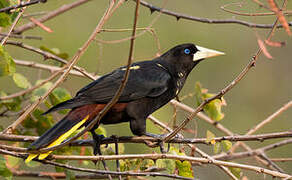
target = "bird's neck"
x: 177, y: 71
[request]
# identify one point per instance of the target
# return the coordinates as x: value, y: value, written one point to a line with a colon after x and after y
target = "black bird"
x: 151, y: 84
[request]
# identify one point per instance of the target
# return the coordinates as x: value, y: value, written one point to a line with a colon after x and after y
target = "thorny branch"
x: 179, y: 16
x: 142, y: 139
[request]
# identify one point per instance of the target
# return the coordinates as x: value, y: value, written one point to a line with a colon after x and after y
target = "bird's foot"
x: 160, y: 142
x: 97, y: 139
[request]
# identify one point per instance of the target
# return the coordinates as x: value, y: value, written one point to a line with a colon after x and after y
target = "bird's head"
x: 186, y: 56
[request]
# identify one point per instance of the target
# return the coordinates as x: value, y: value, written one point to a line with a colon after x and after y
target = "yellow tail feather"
x: 57, y: 141
x: 30, y: 157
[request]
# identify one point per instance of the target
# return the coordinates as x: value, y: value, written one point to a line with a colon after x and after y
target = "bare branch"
x: 48, y: 68
x: 264, y: 122
x: 21, y: 36
x: 22, y: 4
x: 207, y: 20
x: 252, y: 152
x: 223, y: 129
x: 49, y: 16
x: 48, y: 55
x: 13, y: 25
x: 100, y: 172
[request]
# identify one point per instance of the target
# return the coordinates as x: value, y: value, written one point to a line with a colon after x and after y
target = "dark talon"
x: 162, y: 149
x: 97, y: 139
x: 160, y: 143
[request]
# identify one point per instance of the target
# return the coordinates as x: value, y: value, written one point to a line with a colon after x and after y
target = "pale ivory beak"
x: 205, y: 53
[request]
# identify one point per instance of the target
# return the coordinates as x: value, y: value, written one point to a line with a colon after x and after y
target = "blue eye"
x: 187, y: 51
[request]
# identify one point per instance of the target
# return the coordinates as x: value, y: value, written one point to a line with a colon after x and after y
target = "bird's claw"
x: 162, y: 149
x: 97, y: 139
x: 160, y: 142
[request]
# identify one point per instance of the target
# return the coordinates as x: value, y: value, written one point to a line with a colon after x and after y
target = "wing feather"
x: 149, y: 80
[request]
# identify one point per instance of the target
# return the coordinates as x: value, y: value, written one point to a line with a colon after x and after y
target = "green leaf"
x: 4, y: 171
x: 213, y: 108
x: 217, y: 147
x: 55, y: 51
x: 7, y: 65
x: 226, y: 145
x: 235, y: 171
x: 7, y: 18
x: 168, y: 164
x: 210, y: 137
x: 3, y: 94
x: 59, y: 95
x: 101, y: 131
x: 29, y: 122
x: 11, y: 104
x: 123, y: 165
x: 36, y: 94
x: 43, y: 122
x: 146, y: 163
x: 21, y: 81
x: 184, y: 168
x: 4, y: 20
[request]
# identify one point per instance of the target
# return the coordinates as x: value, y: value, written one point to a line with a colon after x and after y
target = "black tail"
x: 70, y: 104
x: 55, y: 132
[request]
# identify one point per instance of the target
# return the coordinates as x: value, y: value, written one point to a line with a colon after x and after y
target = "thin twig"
x: 21, y: 4
x: 202, y: 153
x: 13, y: 25
x: 50, y: 68
x: 135, y: 139
x: 149, y: 156
x: 50, y: 15
x: 224, y: 8
x: 21, y: 36
x: 264, y: 122
x: 48, y: 55
x: 176, y: 157
x: 281, y: 159
x: 252, y: 152
x: 220, y: 127
x: 118, y: 161
x: 100, y: 172
x: 55, y: 175
x: 207, y: 20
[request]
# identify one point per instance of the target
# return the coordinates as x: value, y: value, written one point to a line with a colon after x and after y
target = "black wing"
x: 146, y: 79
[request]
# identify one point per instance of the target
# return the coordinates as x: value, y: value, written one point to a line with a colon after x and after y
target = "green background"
x: 265, y: 88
